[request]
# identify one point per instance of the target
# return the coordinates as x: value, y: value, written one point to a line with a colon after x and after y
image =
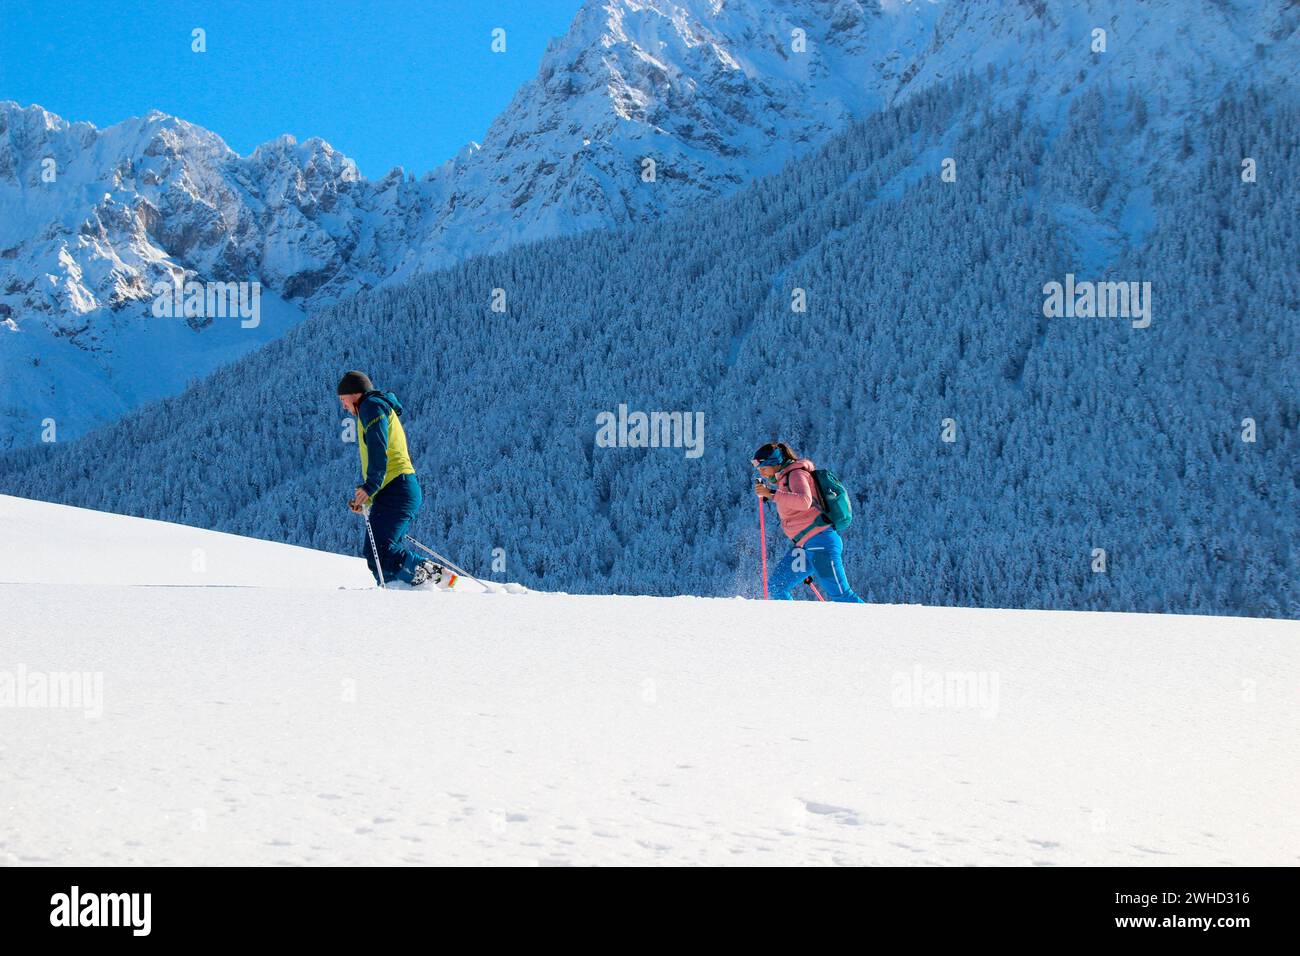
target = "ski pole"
x: 370, y: 532
x: 809, y: 582
x: 437, y: 557
x: 762, y: 545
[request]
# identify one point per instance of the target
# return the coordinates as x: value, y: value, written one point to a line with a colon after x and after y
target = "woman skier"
x: 816, y: 548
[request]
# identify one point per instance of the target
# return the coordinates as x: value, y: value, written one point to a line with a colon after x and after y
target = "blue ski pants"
x: 822, y: 558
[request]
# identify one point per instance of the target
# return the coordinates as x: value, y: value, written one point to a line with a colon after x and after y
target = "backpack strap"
x: 802, y: 535
x: 821, y: 518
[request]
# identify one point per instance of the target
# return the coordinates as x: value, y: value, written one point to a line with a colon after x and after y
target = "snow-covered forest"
x: 924, y: 321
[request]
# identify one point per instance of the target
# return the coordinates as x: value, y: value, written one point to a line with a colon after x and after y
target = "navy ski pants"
x: 391, y: 512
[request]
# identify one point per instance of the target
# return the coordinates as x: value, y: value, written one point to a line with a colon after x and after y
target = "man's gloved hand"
x: 359, y: 501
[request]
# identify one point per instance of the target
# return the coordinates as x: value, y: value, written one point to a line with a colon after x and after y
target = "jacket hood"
x: 388, y: 398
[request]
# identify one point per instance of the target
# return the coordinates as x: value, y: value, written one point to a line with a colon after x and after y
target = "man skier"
x: 389, y: 484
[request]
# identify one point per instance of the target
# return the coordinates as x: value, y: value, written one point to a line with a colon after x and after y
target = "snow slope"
x: 304, y: 723
x: 53, y: 544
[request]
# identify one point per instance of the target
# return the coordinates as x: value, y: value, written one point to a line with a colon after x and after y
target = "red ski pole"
x: 762, y: 545
x: 809, y: 582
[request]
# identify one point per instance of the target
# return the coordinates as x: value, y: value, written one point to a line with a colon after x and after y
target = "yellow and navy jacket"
x: 382, y: 441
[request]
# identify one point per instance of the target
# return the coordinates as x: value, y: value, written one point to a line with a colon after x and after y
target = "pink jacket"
x: 796, y: 500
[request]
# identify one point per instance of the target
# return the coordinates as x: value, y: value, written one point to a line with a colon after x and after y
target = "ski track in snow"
x: 306, y: 724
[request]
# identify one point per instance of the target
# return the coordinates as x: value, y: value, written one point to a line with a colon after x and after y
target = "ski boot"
x: 426, y: 572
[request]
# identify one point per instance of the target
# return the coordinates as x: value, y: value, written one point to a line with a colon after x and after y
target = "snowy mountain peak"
x: 643, y: 108
x: 646, y: 107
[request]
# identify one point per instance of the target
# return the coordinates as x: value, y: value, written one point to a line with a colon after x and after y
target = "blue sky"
x: 388, y: 83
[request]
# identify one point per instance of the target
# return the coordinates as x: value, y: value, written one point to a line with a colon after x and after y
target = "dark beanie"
x: 355, y: 382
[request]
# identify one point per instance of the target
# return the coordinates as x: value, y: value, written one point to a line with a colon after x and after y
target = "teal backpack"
x: 836, y: 505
